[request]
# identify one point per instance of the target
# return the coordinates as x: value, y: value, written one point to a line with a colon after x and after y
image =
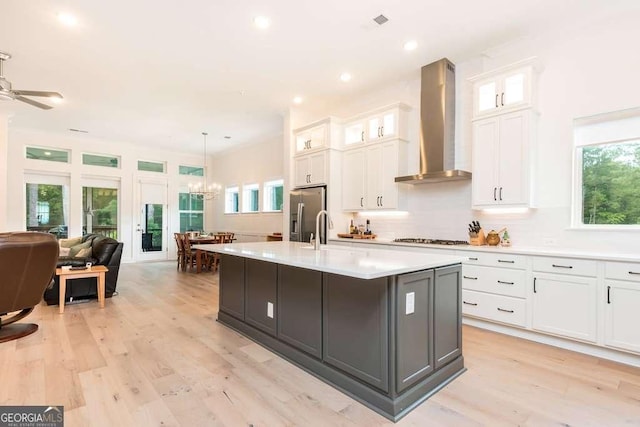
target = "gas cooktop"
x: 430, y: 241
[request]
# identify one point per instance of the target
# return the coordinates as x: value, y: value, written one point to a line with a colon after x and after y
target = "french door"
x: 151, y: 228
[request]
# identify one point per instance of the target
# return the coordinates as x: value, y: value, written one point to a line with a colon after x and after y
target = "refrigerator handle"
x: 300, y: 211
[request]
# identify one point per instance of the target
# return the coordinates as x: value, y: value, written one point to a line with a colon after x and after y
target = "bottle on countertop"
x: 368, y: 229
x: 352, y: 228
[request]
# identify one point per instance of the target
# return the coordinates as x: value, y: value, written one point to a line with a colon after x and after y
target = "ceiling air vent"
x: 381, y: 19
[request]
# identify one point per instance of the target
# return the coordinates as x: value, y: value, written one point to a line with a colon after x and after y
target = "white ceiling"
x: 158, y: 73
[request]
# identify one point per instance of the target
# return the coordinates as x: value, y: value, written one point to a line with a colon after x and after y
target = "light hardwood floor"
x: 155, y: 356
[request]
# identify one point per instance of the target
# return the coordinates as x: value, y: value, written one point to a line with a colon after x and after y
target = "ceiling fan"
x: 6, y: 93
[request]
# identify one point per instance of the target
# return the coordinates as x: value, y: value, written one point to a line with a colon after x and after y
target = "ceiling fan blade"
x: 34, y: 103
x: 37, y: 93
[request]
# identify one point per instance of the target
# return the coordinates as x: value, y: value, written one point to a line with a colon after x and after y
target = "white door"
x: 513, y: 159
x: 151, y: 229
x: 353, y: 180
x: 388, y: 171
x: 485, y: 151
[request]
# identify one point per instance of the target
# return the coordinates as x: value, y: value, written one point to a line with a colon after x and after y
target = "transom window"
x: 231, y: 200
x: 272, y: 201
x: 250, y: 198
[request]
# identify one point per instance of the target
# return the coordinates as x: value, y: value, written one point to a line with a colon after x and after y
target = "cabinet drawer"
x: 579, y: 267
x: 502, y: 281
x: 622, y: 271
x: 494, y: 259
x: 494, y: 307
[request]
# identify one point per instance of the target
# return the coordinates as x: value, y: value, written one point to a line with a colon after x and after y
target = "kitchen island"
x: 382, y: 326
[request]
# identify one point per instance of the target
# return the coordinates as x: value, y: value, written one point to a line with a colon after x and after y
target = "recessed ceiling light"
x: 227, y: 137
x: 262, y: 22
x: 411, y: 45
x: 297, y: 100
x: 56, y: 99
x: 67, y: 19
x: 47, y: 153
x: 345, y: 77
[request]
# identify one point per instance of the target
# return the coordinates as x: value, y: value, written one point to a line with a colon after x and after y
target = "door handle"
x: 505, y: 283
x: 503, y: 310
x: 362, y: 136
x: 534, y: 285
x: 496, y: 100
x: 502, y: 99
x: 470, y: 278
x: 494, y: 194
x: 500, y: 193
x: 469, y: 303
x: 361, y: 202
x: 381, y: 130
x: 608, y: 294
x: 381, y: 205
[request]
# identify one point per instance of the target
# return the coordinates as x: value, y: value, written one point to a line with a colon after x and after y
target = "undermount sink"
x: 332, y: 249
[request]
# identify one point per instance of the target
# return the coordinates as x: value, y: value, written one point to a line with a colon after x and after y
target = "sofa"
x: 76, y: 252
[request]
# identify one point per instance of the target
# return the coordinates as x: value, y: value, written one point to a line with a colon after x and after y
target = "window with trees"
x: 250, y: 198
x: 47, y: 207
x: 272, y: 201
x: 100, y: 211
x: 231, y: 200
x: 608, y: 170
x: 191, y: 208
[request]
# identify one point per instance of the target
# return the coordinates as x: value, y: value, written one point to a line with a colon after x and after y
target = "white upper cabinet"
x: 316, y: 136
x: 311, y: 169
x: 505, y: 91
x: 502, y: 161
x: 368, y: 176
x: 379, y: 125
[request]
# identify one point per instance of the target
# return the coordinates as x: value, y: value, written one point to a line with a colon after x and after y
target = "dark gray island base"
x: 389, y: 342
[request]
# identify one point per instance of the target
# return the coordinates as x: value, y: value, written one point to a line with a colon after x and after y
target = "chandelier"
x: 208, y: 192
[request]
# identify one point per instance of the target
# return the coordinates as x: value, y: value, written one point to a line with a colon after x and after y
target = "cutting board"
x: 356, y: 236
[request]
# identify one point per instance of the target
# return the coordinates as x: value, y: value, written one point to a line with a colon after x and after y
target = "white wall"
x: 585, y: 71
x: 249, y: 164
x: 127, y: 176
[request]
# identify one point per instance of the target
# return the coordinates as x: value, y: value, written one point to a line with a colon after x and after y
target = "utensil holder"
x: 479, y: 240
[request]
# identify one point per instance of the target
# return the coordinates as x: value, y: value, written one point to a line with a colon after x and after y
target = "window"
x: 231, y: 200
x: 191, y: 170
x: 191, y: 209
x: 98, y: 160
x: 273, y: 196
x: 100, y: 211
x: 150, y: 166
x: 607, y: 170
x: 48, y: 208
x: 250, y: 198
x: 47, y: 154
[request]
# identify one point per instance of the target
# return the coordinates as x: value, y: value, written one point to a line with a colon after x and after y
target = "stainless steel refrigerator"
x: 305, y: 203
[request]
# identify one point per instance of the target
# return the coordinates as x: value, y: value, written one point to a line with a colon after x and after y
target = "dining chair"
x: 190, y: 254
x: 180, y: 244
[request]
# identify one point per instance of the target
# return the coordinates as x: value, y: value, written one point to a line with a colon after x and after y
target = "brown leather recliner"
x: 27, y: 266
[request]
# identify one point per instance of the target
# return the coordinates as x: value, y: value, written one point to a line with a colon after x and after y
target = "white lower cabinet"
x: 622, y: 313
x: 498, y: 308
x: 494, y: 287
x: 565, y: 305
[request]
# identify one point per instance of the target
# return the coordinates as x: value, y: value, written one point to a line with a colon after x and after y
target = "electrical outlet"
x: 270, y: 310
x: 410, y: 303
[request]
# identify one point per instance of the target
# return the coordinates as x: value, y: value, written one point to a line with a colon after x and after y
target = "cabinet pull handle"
x: 608, y: 294
x: 534, y: 285
x: 496, y: 100
x: 362, y: 136
x: 494, y: 194
x: 507, y: 261
x: 505, y: 311
x: 381, y: 130
x: 472, y: 258
x: 361, y: 202
x: 561, y: 266
x: 381, y: 205
x: 378, y: 131
x: 500, y: 193
x: 502, y: 99
x: 505, y: 283
x: 633, y: 272
x: 469, y: 303
x: 470, y: 278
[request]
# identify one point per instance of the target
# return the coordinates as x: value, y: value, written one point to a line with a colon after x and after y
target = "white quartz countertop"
x: 515, y: 250
x: 363, y: 263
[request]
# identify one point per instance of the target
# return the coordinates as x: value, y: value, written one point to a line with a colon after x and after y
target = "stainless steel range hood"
x: 437, y: 126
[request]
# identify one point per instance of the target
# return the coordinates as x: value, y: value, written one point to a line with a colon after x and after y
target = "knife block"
x: 479, y: 240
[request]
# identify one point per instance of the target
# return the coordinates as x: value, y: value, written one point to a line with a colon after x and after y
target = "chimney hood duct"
x: 437, y: 126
